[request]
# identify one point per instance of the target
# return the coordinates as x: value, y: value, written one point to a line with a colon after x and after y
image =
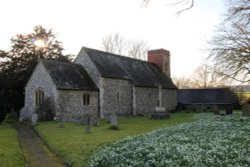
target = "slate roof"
x: 205, y: 96
x: 141, y: 73
x: 69, y: 76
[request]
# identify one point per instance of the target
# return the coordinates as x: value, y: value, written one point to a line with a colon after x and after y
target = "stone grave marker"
x: 160, y: 113
x: 34, y: 117
x: 114, y: 122
x: 246, y: 110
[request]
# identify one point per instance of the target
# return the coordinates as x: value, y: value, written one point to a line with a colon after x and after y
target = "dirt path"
x: 36, y: 153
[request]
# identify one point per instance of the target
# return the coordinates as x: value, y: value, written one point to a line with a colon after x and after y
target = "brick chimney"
x: 161, y: 58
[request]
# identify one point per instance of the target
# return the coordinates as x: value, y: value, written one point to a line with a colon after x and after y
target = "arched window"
x: 86, y: 99
x: 39, y: 96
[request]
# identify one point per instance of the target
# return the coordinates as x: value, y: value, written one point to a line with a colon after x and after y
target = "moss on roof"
x: 69, y: 76
x: 141, y: 73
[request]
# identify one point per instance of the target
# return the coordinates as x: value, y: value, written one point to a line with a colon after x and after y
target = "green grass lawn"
x: 75, y: 146
x: 10, y: 151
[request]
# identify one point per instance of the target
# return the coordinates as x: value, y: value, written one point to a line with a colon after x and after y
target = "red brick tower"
x: 161, y: 58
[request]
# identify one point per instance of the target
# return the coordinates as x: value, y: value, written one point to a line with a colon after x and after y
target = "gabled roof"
x: 69, y: 76
x: 140, y: 73
x: 206, y: 96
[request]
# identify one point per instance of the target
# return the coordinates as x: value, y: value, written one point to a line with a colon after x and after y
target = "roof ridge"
x: 116, y: 55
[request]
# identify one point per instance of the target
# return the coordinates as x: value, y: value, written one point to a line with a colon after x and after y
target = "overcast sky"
x: 80, y: 23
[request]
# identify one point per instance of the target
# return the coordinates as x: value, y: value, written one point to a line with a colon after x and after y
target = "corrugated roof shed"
x: 69, y: 76
x: 206, y: 96
x: 141, y: 73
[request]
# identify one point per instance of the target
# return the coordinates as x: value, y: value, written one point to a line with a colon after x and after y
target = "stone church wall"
x: 70, y: 104
x: 115, y: 96
x: 39, y: 79
x: 169, y: 99
x: 146, y: 99
x: 84, y: 60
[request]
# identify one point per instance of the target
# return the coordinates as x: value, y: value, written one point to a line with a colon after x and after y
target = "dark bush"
x: 2, y: 116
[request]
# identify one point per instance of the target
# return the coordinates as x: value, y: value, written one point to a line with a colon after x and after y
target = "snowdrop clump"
x: 209, y: 141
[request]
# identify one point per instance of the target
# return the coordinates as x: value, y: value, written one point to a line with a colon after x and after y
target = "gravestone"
x: 160, y: 113
x: 114, y: 122
x: 34, y: 119
x: 246, y: 110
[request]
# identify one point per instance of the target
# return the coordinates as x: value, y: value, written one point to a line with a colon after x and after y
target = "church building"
x: 99, y: 83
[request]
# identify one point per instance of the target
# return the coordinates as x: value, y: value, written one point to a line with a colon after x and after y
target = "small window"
x: 86, y: 99
x: 118, y: 95
x: 39, y: 96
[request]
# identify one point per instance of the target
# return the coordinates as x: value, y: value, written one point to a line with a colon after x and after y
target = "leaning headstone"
x: 246, y: 110
x: 114, y: 122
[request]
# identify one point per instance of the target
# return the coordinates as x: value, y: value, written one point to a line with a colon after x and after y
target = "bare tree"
x: 115, y: 43
x: 183, y: 4
x: 239, y: 11
x: 206, y: 76
x: 230, y: 47
x: 182, y: 82
x: 138, y: 49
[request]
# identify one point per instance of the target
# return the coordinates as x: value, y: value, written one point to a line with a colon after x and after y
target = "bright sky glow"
x: 39, y: 43
x: 80, y: 23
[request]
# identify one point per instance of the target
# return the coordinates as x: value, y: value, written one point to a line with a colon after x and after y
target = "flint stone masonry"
x: 67, y: 105
x: 146, y: 100
x: 110, y: 102
x: 70, y: 104
x: 84, y: 60
x: 39, y: 79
